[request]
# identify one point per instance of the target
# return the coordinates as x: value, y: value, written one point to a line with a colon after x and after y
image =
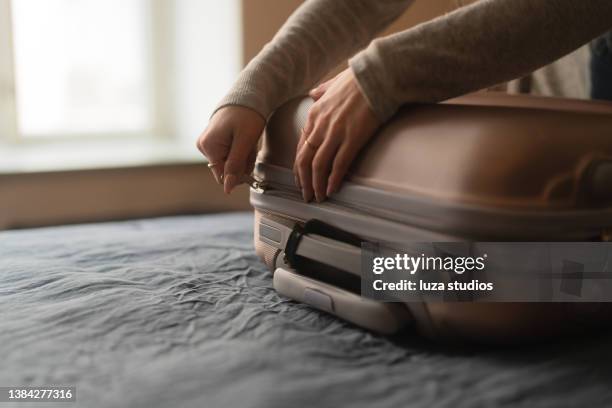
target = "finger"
x: 342, y: 162
x: 307, y: 151
x: 321, y: 166
x: 317, y: 92
x: 236, y: 163
x: 306, y: 130
x: 297, y: 151
x: 304, y: 172
x: 304, y: 168
x: 217, y: 171
x: 215, y: 156
x: 296, y: 177
x: 310, y: 119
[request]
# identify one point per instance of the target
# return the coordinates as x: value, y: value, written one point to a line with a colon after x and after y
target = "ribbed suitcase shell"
x: 480, y: 167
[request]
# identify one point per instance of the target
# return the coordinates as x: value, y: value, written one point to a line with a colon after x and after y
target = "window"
x: 97, y: 69
x: 95, y: 58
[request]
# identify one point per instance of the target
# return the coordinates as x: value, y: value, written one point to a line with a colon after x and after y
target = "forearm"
x: 317, y: 37
x: 475, y: 47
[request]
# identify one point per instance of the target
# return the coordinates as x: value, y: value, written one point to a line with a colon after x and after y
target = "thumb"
x: 320, y: 90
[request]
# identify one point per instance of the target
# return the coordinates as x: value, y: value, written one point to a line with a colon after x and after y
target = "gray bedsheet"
x: 179, y: 312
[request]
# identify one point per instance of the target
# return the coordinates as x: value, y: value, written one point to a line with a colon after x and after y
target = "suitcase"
x: 485, y: 166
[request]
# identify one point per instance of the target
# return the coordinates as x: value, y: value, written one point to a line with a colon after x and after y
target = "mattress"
x: 179, y: 312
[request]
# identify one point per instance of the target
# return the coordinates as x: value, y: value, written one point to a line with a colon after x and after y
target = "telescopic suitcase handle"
x: 384, y: 318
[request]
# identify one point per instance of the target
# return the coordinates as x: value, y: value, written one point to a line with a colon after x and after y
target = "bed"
x: 179, y: 312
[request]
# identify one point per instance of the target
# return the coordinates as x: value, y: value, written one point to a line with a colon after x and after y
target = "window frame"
x: 8, y: 109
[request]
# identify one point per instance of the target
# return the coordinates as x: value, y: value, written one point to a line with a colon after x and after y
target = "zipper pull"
x: 257, y: 185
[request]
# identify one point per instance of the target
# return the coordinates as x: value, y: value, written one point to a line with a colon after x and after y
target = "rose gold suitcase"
x: 481, y: 167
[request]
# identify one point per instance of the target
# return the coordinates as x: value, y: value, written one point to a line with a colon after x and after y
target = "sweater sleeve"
x: 475, y: 47
x: 315, y: 39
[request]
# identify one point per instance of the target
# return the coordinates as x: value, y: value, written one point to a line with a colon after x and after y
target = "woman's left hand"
x: 339, y: 124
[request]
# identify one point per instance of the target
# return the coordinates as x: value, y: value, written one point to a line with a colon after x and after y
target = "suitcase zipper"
x: 291, y: 192
x: 277, y: 183
x: 259, y: 186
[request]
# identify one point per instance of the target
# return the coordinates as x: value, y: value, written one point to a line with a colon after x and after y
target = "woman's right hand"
x: 230, y: 143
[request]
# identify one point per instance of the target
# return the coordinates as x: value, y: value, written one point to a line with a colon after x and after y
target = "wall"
x: 53, y: 198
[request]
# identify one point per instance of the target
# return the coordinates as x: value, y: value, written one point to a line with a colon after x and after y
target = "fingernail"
x: 218, y: 178
x: 332, y: 188
x: 230, y: 183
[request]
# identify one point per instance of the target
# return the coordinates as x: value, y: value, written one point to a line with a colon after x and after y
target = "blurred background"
x: 101, y: 102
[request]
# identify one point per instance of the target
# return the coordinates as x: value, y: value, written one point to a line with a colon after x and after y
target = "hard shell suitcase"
x: 481, y: 167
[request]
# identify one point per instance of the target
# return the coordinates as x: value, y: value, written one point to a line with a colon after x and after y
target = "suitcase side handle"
x: 316, y: 241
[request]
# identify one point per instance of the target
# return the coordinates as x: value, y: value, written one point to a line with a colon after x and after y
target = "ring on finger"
x: 211, y: 165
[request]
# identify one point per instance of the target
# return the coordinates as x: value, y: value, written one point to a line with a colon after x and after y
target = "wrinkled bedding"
x: 179, y: 312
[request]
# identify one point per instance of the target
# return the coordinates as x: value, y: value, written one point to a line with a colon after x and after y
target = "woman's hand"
x: 230, y: 144
x: 339, y: 124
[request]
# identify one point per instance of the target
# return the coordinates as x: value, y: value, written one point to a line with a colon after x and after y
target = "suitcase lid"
x: 489, y: 150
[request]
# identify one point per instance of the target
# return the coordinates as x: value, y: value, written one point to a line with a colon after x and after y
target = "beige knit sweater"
x: 475, y: 47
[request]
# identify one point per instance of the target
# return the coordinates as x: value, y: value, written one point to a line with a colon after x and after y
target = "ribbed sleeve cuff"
x: 374, y: 82
x: 246, y: 93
